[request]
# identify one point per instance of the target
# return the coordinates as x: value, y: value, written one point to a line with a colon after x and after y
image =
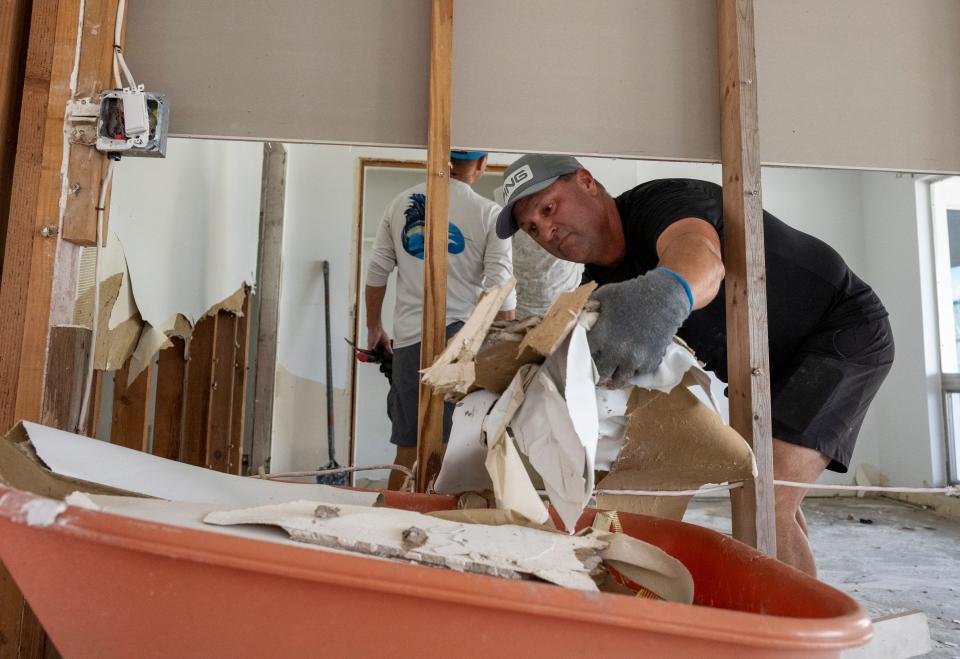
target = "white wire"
x: 88, y: 386
x: 950, y: 491
x: 119, y: 63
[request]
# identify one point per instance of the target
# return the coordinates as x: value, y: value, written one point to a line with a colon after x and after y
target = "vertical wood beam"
x: 269, y: 261
x: 14, y: 27
x: 197, y: 394
x: 87, y: 166
x: 168, y: 413
x: 25, y: 291
x: 220, y: 417
x: 433, y: 335
x: 38, y: 48
x: 241, y: 367
x: 747, y: 348
x: 70, y: 348
x: 131, y: 405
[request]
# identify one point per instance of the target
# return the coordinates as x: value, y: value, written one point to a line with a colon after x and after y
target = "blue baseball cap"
x: 467, y: 155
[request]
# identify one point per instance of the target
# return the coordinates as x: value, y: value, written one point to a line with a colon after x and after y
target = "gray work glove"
x: 637, y: 321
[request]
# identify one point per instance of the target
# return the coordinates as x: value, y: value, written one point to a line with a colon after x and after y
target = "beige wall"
x: 841, y: 83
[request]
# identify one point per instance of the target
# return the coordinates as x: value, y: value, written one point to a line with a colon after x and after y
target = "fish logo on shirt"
x: 415, y: 226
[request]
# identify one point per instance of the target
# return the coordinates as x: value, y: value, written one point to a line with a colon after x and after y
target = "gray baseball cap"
x: 528, y: 175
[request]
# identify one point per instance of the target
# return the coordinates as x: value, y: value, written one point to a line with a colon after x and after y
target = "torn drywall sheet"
x: 187, y: 252
x: 675, y: 442
x: 557, y: 426
x: 512, y: 486
x: 547, y: 336
x: 463, y: 467
x: 76, y: 456
x: 453, y: 371
x: 504, y: 551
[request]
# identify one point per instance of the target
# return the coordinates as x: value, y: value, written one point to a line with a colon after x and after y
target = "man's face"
x: 566, y: 219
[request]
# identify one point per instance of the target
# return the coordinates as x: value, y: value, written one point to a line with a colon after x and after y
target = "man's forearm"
x: 373, y: 297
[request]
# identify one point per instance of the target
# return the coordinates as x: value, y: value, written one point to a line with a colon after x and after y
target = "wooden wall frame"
x: 745, y: 281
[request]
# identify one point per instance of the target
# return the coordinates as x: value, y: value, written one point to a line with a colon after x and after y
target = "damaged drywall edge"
x: 152, y: 340
x: 42, y: 512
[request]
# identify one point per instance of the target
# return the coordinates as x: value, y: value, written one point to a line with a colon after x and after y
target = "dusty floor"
x: 905, y: 558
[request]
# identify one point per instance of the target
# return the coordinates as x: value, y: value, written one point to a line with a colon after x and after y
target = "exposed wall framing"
x: 745, y: 281
x: 433, y: 335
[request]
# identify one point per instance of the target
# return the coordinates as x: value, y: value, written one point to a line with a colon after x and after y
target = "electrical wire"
x: 119, y: 63
x: 88, y: 386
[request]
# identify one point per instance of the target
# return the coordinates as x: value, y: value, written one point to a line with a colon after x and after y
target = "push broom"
x: 339, y: 478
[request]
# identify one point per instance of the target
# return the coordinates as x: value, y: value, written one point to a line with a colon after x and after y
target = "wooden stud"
x: 96, y: 399
x: 25, y: 291
x: 197, y: 393
x: 130, y: 408
x: 88, y: 166
x: 14, y: 25
x: 433, y: 334
x: 63, y: 391
x: 220, y: 417
x: 269, y: 261
x: 241, y: 368
x: 168, y: 413
x: 748, y: 361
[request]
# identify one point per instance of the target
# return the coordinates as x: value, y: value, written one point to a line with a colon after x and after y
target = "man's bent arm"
x: 691, y: 248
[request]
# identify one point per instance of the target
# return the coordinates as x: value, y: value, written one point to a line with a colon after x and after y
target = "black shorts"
x: 404, y: 393
x: 820, y: 398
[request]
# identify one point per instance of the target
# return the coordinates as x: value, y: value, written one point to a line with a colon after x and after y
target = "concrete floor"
x: 905, y: 558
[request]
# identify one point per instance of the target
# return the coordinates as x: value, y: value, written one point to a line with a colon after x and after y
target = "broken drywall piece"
x: 675, y: 442
x: 497, y: 363
x: 114, y: 345
x: 233, y: 303
x: 557, y: 427
x: 113, y: 262
x: 463, y: 467
x: 150, y: 343
x: 504, y: 551
x: 466, y: 343
x: 559, y: 320
x: 512, y: 486
x: 94, y: 461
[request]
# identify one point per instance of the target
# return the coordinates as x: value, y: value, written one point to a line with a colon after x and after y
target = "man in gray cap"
x: 656, y: 251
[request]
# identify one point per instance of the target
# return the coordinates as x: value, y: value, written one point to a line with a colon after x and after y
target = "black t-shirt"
x: 809, y: 287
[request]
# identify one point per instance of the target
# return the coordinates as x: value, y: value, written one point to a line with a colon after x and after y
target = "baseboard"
x: 938, y: 503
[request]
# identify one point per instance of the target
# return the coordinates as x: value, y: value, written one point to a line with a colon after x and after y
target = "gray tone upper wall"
x: 287, y: 70
x: 867, y: 84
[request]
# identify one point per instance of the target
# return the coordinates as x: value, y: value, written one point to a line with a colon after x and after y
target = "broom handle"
x: 326, y: 313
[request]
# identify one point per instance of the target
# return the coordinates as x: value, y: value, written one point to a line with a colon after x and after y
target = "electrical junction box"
x: 133, y: 122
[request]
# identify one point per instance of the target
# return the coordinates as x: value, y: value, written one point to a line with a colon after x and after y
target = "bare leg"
x: 804, y: 465
x: 802, y: 521
x: 406, y: 456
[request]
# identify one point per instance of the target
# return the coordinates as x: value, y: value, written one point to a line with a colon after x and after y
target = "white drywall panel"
x: 841, y: 83
x: 620, y: 77
x: 189, y: 225
x: 315, y: 70
x: 866, y: 84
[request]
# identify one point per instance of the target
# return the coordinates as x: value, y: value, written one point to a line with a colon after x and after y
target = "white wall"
x: 869, y: 217
x: 897, y: 234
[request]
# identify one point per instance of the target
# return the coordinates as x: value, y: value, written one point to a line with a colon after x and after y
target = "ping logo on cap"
x: 514, y: 181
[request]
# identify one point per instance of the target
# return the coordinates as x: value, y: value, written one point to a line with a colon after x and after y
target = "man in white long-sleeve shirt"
x: 476, y: 259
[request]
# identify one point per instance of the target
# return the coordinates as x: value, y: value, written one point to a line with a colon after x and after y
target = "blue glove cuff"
x: 683, y: 282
